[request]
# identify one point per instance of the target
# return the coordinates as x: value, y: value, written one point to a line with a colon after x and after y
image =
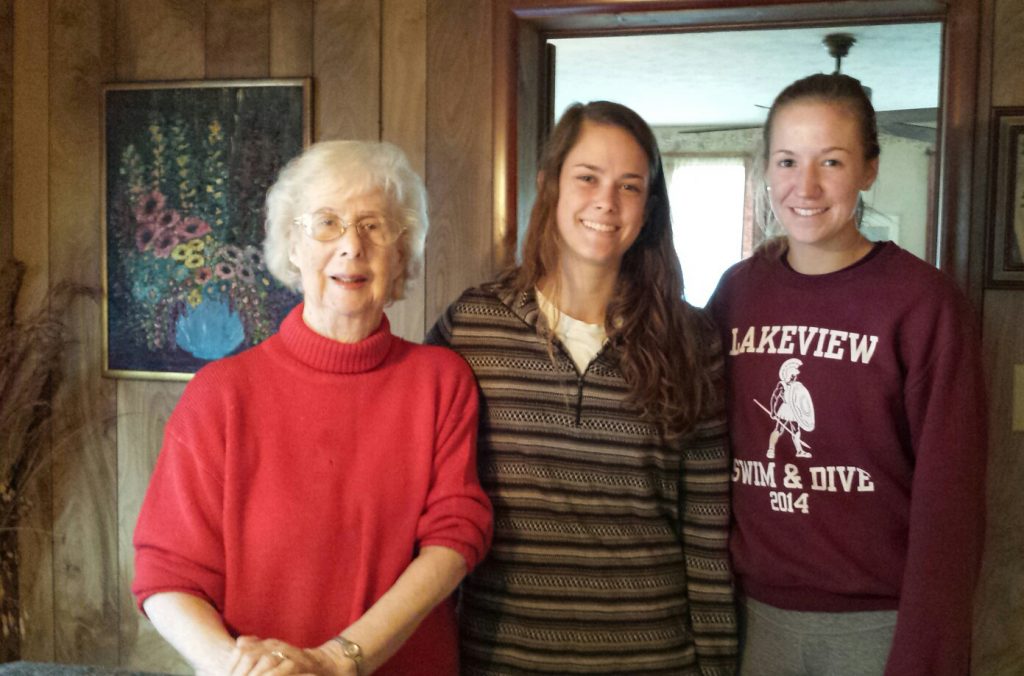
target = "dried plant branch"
x: 31, y: 373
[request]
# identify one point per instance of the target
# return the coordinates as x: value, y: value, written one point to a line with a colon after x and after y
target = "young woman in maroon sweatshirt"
x: 857, y: 419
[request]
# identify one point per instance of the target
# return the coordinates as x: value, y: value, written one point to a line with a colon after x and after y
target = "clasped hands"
x: 253, y: 656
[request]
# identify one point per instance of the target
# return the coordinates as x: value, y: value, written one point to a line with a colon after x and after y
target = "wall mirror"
x: 709, y: 69
x: 706, y: 95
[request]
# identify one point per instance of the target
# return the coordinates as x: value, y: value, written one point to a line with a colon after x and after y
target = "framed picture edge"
x: 306, y: 84
x: 1005, y: 173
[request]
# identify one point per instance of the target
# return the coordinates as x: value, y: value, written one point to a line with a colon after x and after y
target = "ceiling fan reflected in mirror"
x: 838, y: 46
x: 917, y: 124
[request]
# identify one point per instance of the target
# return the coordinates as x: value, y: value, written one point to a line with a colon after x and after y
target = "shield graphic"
x: 801, y: 408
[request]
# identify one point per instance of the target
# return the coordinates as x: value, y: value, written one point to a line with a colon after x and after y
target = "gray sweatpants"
x: 776, y: 642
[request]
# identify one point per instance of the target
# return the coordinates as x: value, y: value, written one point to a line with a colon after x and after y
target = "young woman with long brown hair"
x: 602, y: 440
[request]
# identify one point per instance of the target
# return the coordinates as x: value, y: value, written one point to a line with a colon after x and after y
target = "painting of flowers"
x: 187, y: 167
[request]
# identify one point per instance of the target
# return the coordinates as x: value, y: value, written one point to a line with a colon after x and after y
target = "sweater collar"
x: 324, y: 354
x: 879, y: 251
x: 524, y: 305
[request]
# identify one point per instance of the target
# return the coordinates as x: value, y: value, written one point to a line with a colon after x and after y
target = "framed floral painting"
x: 186, y: 169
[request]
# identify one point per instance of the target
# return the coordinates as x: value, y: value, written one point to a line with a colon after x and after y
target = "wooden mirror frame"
x: 521, y: 28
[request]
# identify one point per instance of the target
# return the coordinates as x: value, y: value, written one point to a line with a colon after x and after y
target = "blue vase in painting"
x: 210, y: 330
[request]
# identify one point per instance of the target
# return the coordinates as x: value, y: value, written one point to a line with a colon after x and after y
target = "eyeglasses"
x: 325, y: 225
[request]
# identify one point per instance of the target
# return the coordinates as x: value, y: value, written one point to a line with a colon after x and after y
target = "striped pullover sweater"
x: 610, y: 550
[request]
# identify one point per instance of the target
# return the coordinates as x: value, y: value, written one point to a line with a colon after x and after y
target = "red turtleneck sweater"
x: 298, y: 479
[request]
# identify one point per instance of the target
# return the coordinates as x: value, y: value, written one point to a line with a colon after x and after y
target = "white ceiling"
x: 718, y: 79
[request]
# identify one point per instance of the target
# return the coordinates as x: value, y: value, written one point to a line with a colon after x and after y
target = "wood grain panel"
x: 6, y: 127
x: 999, y: 608
x: 31, y: 246
x: 237, y: 38
x: 155, y: 32
x: 29, y: 125
x: 346, y: 65
x: 999, y: 614
x: 404, y: 77
x: 143, y: 409
x: 85, y: 478
x: 143, y: 406
x: 1008, y: 54
x: 403, y: 122
x: 459, y: 115
x: 291, y: 38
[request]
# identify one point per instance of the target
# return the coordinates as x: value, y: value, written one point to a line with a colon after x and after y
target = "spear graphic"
x: 773, y: 417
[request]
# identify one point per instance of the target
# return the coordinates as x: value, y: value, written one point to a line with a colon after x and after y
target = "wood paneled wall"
x: 30, y: 205
x: 399, y: 70
x: 6, y: 123
x: 999, y: 623
x: 414, y: 72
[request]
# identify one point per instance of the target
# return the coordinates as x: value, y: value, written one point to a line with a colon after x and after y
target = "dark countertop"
x: 54, y: 669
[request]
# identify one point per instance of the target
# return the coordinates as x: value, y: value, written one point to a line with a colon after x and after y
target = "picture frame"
x: 185, y: 170
x: 1005, y: 254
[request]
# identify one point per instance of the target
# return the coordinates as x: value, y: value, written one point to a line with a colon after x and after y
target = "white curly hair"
x: 360, y: 167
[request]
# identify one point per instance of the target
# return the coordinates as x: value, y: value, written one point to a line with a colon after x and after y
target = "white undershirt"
x: 582, y: 340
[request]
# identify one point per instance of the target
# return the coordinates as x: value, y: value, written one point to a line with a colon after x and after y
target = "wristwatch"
x: 350, y: 650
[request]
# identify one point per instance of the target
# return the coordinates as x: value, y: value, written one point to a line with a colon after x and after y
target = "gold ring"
x: 278, y: 654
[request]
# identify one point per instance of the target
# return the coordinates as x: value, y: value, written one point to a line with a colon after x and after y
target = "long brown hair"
x: 663, y: 341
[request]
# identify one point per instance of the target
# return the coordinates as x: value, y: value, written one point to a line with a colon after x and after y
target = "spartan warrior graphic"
x: 791, y: 408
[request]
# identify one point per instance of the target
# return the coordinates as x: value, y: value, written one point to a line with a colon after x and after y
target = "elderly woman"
x: 316, y: 501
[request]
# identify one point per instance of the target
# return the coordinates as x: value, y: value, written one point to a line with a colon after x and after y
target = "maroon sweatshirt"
x: 858, y: 428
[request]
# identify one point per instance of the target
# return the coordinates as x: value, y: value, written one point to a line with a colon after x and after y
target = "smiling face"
x: 602, y: 192
x: 346, y: 282
x: 816, y: 170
